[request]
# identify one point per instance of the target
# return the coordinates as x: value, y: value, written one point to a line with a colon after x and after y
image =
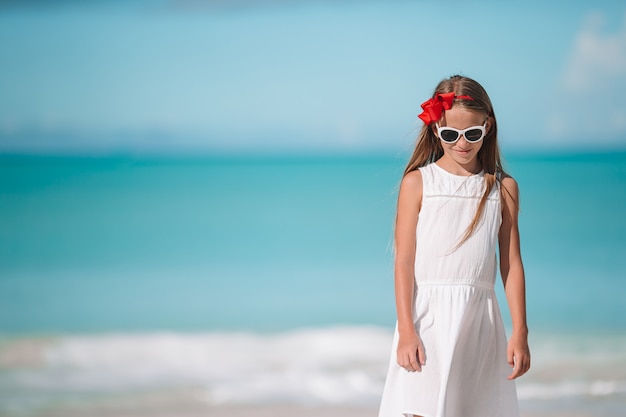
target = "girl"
x: 455, y: 204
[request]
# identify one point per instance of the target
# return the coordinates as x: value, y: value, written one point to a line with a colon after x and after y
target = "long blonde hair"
x: 428, y: 148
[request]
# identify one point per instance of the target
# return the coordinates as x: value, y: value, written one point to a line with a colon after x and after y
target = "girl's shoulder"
x: 412, y: 183
x: 410, y: 195
x: 509, y: 189
x: 412, y: 180
x: 507, y: 181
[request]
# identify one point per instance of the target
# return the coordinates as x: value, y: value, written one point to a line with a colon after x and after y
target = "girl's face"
x: 462, y: 152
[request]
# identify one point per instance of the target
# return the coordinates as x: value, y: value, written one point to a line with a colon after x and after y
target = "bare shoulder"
x: 410, y: 195
x: 510, y: 190
x: 412, y: 181
x: 509, y: 181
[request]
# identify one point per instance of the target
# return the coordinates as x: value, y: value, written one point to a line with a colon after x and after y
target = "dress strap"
x: 427, y: 179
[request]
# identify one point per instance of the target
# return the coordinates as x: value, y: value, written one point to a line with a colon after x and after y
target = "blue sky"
x: 302, y: 76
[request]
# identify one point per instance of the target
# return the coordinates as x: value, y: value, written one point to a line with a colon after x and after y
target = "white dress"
x: 456, y: 312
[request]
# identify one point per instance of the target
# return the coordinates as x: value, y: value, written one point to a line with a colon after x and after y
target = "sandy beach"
x: 197, y: 410
x: 188, y: 403
x: 184, y: 404
x: 220, y: 411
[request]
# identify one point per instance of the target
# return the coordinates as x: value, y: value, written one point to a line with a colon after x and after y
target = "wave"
x: 550, y: 391
x: 338, y: 365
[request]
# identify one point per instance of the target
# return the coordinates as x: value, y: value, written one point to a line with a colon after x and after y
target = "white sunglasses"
x: 471, y: 134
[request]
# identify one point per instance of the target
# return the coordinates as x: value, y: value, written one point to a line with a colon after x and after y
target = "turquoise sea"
x: 124, y: 274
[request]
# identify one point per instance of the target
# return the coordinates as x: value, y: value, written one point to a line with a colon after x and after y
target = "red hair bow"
x: 433, y: 107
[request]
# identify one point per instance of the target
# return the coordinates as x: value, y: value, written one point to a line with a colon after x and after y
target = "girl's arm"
x: 512, y: 271
x: 410, y: 349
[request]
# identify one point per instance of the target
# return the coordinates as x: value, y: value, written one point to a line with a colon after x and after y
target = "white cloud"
x: 597, y: 58
x: 590, y: 99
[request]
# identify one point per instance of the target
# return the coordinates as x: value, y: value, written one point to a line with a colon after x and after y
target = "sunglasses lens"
x: 473, y: 135
x: 448, y: 135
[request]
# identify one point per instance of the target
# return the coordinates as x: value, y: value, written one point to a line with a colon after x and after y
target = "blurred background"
x: 197, y: 197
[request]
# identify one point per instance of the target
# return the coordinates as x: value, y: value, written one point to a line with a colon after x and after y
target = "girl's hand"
x: 518, y: 355
x: 410, y: 352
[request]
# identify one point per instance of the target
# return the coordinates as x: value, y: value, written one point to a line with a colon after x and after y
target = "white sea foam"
x: 568, y: 389
x: 339, y: 365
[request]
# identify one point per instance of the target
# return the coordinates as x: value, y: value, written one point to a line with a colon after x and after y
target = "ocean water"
x: 227, y: 280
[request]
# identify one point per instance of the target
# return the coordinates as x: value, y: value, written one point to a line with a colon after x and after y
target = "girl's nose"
x: 464, y: 142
